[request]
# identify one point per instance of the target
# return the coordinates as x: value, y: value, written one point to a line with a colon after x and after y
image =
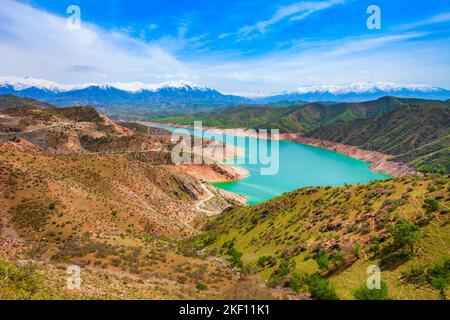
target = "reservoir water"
x: 299, y: 166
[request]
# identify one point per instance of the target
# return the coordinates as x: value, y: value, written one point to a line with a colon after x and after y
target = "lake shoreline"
x: 212, y: 173
x: 380, y: 162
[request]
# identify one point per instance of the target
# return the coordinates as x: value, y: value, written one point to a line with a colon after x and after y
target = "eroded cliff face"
x: 381, y: 162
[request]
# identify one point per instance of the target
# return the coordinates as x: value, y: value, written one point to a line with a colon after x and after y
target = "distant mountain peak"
x: 25, y: 83
x: 181, y: 93
x: 361, y: 87
x: 132, y: 87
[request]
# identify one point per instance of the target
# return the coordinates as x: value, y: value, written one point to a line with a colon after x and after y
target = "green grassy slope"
x: 418, y: 135
x: 295, y: 118
x: 336, y: 233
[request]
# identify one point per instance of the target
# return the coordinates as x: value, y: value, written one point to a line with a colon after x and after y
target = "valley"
x: 80, y: 189
x: 225, y: 159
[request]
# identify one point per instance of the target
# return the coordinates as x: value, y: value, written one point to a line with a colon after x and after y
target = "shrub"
x: 279, y: 275
x: 321, y: 288
x: 431, y: 205
x: 266, y: 261
x: 283, y: 270
x: 439, y: 276
x: 323, y: 260
x: 52, y: 205
x: 415, y: 274
x: 235, y: 258
x: 206, y: 242
x: 201, y: 286
x: 364, y: 293
x: 20, y: 283
x: 338, y: 258
x: 356, y: 250
x: 297, y: 281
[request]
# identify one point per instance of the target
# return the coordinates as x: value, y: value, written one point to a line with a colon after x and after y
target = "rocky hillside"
x: 320, y: 241
x: 77, y: 188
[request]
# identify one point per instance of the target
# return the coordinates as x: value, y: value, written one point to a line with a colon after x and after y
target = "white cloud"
x: 441, y: 18
x: 34, y: 42
x: 295, y: 12
x: 353, y: 45
x: 396, y: 58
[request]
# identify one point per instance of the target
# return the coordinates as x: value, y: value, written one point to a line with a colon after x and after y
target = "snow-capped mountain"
x: 20, y: 84
x: 176, y: 96
x: 362, y: 87
x: 112, y: 96
x: 359, y: 92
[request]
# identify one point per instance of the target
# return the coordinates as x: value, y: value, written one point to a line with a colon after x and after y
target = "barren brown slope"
x: 103, y: 198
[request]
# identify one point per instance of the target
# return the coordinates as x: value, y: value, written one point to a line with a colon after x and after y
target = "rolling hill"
x: 298, y: 117
x: 321, y: 241
x: 418, y: 135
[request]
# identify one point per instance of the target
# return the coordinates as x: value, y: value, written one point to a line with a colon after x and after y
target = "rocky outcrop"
x: 214, y: 173
x: 22, y: 145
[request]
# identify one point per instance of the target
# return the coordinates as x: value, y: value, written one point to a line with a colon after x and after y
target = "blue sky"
x: 234, y: 46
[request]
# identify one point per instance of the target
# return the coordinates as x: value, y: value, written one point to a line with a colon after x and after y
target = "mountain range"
x: 178, y: 96
x: 357, y: 92
x: 121, y: 98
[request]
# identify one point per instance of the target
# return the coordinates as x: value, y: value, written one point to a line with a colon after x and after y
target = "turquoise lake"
x: 299, y: 166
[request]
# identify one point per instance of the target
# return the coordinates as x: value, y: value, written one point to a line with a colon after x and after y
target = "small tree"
x: 404, y: 235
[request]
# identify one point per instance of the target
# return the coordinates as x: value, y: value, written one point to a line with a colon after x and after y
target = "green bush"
x: 297, y: 281
x: 323, y: 259
x: 20, y: 283
x: 431, y: 205
x: 321, y: 288
x: 283, y: 270
x: 415, y: 274
x: 201, y: 286
x: 266, y: 261
x: 235, y: 258
x: 439, y: 276
x: 206, y: 242
x: 364, y: 293
x: 338, y: 258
